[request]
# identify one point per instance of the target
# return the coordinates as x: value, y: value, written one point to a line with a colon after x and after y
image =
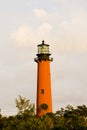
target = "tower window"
x: 42, y: 91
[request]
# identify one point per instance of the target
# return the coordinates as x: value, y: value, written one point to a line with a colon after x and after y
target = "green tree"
x: 24, y: 106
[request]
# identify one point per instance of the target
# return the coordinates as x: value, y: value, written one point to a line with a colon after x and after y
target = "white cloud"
x: 24, y: 36
x: 71, y: 36
x: 70, y: 32
x: 67, y: 28
x: 44, y: 30
x: 40, y: 13
x: 69, y: 82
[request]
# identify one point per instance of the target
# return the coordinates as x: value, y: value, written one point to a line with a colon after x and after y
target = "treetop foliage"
x: 68, y: 118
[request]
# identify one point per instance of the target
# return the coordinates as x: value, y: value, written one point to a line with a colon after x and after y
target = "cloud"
x: 69, y: 82
x: 70, y: 32
x: 66, y: 28
x: 24, y: 36
x: 41, y: 13
x: 71, y: 4
x: 44, y: 29
x: 71, y: 37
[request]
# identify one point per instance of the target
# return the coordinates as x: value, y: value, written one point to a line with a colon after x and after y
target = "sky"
x: 23, y: 25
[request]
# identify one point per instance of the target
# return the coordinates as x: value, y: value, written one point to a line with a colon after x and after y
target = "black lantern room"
x: 43, y: 52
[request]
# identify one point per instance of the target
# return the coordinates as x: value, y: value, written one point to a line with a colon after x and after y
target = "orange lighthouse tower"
x: 44, y: 97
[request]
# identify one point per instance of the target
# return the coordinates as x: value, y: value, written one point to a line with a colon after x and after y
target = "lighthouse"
x: 44, y: 96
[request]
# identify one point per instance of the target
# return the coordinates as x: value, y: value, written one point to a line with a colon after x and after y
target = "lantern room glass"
x: 43, y: 49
